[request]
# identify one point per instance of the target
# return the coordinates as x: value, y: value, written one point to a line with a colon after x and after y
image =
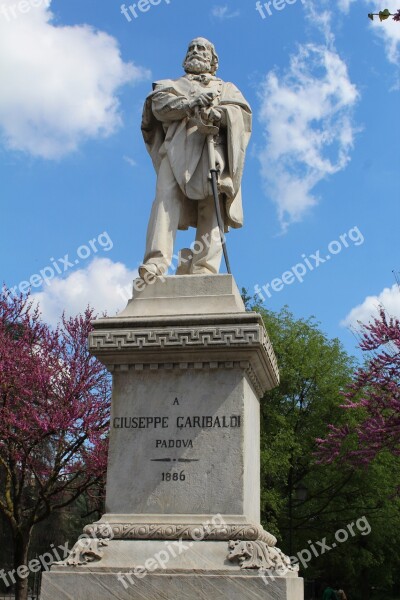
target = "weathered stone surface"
x: 181, y: 441
x: 173, y: 569
x: 88, y: 585
x: 185, y: 295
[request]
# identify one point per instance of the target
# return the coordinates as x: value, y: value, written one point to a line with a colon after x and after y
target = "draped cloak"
x: 169, y: 131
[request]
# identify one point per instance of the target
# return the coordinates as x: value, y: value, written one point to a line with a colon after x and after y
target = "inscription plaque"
x: 174, y: 452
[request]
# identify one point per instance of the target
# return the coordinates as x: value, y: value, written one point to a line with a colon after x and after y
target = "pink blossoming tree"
x: 54, y: 416
x: 373, y: 400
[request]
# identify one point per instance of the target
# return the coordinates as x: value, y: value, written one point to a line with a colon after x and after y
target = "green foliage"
x: 314, y: 370
x: 382, y: 14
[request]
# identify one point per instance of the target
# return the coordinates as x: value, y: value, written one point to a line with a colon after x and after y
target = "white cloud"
x: 103, y: 284
x: 132, y: 162
x: 58, y: 83
x: 322, y: 20
x: 309, y: 133
x: 222, y: 12
x: 344, y: 5
x: 389, y: 299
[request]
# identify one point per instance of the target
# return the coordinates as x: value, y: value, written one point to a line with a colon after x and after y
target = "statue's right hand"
x: 204, y: 100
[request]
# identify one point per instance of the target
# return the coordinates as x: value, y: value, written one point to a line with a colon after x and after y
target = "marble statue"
x: 173, y: 122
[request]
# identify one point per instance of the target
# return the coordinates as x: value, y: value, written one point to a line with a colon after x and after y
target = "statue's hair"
x: 214, y: 55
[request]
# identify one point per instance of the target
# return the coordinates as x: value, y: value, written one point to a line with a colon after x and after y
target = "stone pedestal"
x: 182, y: 515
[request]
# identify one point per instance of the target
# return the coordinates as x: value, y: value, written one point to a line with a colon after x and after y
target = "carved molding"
x: 85, y: 551
x: 259, y: 555
x: 144, y: 531
x: 179, y: 337
x: 187, y: 347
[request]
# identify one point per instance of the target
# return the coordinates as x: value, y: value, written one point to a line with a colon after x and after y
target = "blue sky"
x: 322, y: 171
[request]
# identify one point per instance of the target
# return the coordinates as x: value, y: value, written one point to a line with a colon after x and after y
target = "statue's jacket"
x: 170, y: 132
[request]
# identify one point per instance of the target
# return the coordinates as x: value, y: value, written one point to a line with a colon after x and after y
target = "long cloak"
x: 169, y: 131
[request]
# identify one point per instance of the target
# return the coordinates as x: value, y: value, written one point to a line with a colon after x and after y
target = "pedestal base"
x: 70, y: 585
x: 183, y: 480
x: 167, y: 570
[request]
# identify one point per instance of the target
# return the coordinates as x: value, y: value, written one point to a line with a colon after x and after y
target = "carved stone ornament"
x: 209, y: 346
x: 258, y: 555
x: 85, y: 551
x: 178, y: 337
x: 144, y: 531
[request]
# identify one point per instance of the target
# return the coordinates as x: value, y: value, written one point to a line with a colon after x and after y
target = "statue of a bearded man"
x: 179, y: 151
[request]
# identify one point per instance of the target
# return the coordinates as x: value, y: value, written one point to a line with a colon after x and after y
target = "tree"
x: 385, y: 14
x: 54, y: 417
x: 313, y: 371
x: 372, y: 399
x: 305, y: 500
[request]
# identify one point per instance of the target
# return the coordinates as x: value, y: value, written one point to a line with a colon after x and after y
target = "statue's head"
x: 201, y: 57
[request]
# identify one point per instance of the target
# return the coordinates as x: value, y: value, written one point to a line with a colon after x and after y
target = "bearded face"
x: 198, y: 58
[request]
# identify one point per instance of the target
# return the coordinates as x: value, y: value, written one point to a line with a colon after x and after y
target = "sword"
x: 211, y: 131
